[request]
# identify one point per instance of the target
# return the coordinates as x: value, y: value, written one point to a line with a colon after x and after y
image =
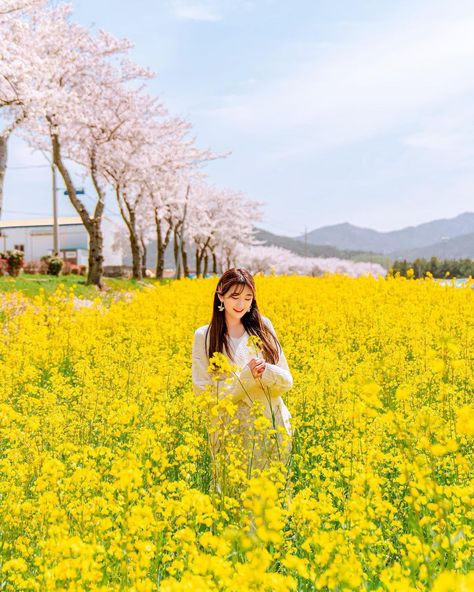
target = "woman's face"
x: 236, y: 305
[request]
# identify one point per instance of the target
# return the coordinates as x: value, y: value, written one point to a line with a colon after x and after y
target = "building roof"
x: 25, y: 222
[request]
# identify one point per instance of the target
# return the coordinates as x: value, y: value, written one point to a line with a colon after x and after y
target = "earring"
x: 221, y: 306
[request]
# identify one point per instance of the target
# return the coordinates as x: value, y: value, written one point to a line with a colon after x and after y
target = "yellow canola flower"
x: 450, y: 581
x: 219, y: 364
x: 370, y: 395
x: 12, y: 565
x: 465, y: 420
x: 106, y: 473
x: 255, y: 343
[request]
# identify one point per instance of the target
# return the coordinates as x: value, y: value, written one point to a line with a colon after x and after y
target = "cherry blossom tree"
x: 219, y: 220
x: 73, y: 103
x: 146, y: 173
x: 107, y: 124
x: 170, y: 202
x: 13, y: 8
x: 169, y: 198
x: 238, y: 227
x: 15, y: 64
x: 270, y: 259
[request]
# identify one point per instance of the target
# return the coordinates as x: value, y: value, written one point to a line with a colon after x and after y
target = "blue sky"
x: 350, y: 111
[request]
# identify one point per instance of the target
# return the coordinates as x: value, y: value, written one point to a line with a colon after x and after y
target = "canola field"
x: 104, y: 465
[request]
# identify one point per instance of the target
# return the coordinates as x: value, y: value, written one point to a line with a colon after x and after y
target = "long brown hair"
x: 236, y: 279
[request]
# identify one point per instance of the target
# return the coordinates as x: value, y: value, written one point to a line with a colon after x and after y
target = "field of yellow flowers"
x: 104, y: 465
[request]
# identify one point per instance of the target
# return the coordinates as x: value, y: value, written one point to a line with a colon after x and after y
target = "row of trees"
x: 277, y: 260
x: 78, y: 96
x: 460, y: 268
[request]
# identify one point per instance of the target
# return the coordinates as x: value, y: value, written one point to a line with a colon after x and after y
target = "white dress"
x: 259, y: 447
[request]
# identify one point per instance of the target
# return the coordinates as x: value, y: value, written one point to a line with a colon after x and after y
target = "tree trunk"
x: 130, y: 221
x: 198, y: 263
x: 92, y: 225
x: 178, y: 240
x: 96, y: 252
x: 142, y: 242
x: 214, y: 263
x: 161, y: 245
x: 176, y: 252
x: 5, y: 135
x: 136, y: 249
x: 200, y: 252
x: 184, y: 257
x: 160, y: 252
x: 96, y: 259
x: 206, y: 264
x: 3, y: 168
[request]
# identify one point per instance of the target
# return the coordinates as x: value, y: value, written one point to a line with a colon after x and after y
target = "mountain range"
x: 443, y: 238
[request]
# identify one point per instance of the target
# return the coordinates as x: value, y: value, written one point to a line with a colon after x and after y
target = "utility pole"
x: 55, y: 212
x: 178, y: 262
x: 305, y: 242
x: 81, y: 191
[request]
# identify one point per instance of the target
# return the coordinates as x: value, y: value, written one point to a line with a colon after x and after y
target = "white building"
x: 35, y: 238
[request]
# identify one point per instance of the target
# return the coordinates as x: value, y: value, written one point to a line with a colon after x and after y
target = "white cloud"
x: 208, y: 10
x: 437, y: 140
x: 366, y: 86
x: 443, y: 140
x: 196, y: 10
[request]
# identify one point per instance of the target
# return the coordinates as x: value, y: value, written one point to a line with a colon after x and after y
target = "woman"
x: 260, y: 376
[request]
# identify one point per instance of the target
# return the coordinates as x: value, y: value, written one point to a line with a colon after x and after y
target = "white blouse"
x: 244, y: 388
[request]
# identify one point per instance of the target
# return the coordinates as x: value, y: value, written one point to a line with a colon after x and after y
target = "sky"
x: 358, y: 111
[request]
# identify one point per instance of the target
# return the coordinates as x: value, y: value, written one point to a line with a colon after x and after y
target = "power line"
x: 106, y: 209
x: 30, y: 166
x: 49, y: 213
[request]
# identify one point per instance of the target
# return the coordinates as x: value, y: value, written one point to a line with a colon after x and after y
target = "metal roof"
x: 25, y: 222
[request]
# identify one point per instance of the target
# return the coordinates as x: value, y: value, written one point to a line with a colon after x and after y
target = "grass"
x: 31, y: 284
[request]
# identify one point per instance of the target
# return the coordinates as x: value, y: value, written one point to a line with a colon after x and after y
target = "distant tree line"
x: 460, y: 268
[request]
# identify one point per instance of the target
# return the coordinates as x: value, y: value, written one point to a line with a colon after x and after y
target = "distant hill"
x: 348, y: 236
x: 461, y: 247
x: 298, y: 247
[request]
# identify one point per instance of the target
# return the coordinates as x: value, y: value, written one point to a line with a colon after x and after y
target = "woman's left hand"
x: 259, y: 368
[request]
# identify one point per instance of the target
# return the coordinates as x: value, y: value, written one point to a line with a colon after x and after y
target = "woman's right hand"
x: 257, y: 366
